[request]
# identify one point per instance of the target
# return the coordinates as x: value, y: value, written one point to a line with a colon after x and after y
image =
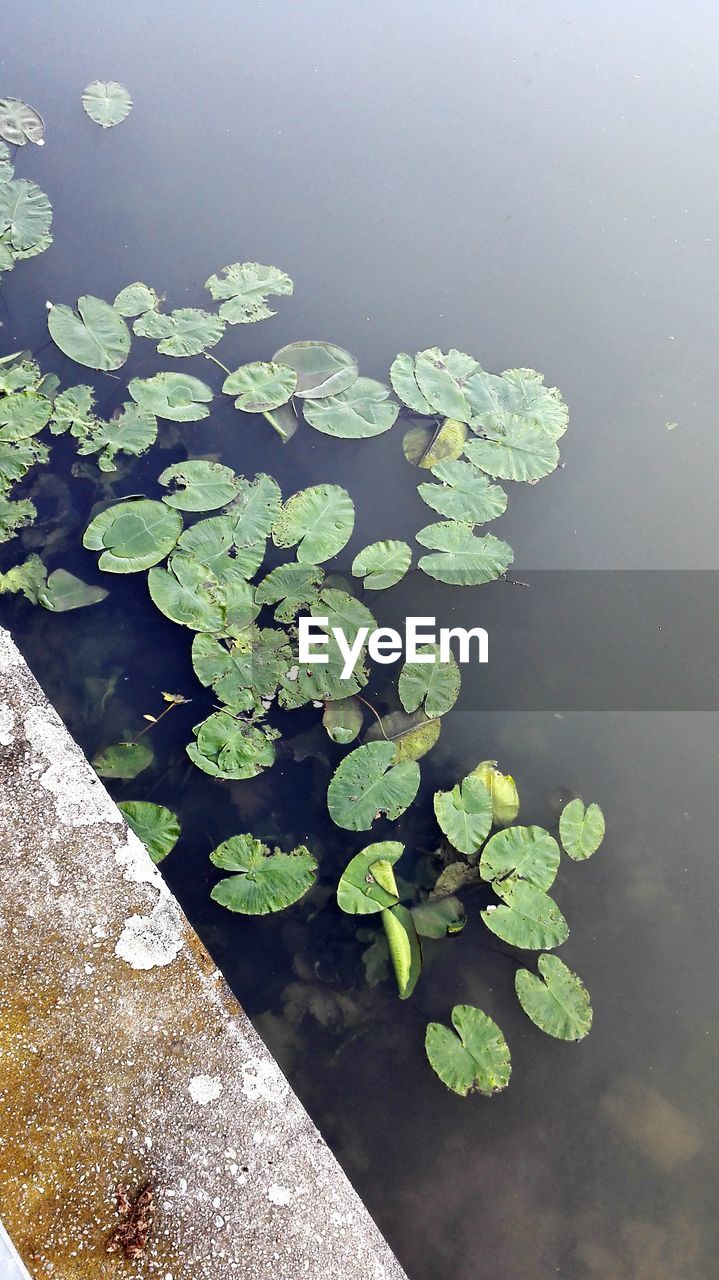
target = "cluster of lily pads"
x: 25, y: 211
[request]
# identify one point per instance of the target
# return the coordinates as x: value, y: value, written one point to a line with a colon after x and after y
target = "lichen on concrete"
x: 124, y: 1059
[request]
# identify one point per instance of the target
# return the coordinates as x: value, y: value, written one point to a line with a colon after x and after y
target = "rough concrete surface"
x: 124, y: 1058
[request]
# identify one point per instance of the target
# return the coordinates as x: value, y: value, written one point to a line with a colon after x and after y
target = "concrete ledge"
x: 125, y: 1059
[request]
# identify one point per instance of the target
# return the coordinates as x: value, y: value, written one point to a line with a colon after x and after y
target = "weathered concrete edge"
x: 126, y: 1059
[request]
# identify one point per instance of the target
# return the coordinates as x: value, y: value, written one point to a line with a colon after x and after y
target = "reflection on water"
x: 538, y: 189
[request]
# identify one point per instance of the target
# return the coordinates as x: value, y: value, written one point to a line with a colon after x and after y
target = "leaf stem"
x: 375, y: 713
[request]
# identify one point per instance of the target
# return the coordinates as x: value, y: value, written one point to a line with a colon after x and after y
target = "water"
x: 540, y: 189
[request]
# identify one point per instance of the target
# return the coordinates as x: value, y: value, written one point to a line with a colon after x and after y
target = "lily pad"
x: 465, y: 814
x: 186, y: 332
x: 441, y: 379
x: 517, y: 394
x: 520, y: 451
x: 382, y: 564
x: 106, y: 102
x: 367, y: 784
x: 404, y: 948
x: 433, y: 685
x: 123, y: 759
x: 22, y: 415
x: 475, y: 1059
x: 405, y: 384
x: 527, y: 918
x: 243, y: 289
x: 581, y: 830
x: 290, y: 587
x: 260, y: 386
x: 232, y: 749
x: 464, y: 493
x: 156, y: 826
x: 63, y: 591
x: 425, y: 446
x: 189, y: 594
x: 460, y: 557
x: 72, y: 411
x: 244, y: 673
x: 176, y: 396
x: 343, y: 719
x: 255, y: 509
x: 95, y: 335
x: 263, y: 881
x: 16, y: 459
x: 20, y: 123
x: 320, y: 519
x: 135, y: 299
x: 133, y: 431
x: 361, y: 891
x: 503, y: 790
x: 213, y: 543
x: 15, y: 515
x: 557, y: 1002
x: 25, y: 215
x: 322, y: 368
x: 27, y: 579
x: 365, y: 409
x: 133, y: 535
x: 199, y: 485
x: 412, y: 735
x: 521, y: 853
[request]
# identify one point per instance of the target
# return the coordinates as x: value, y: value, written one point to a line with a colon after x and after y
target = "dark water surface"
x: 536, y: 185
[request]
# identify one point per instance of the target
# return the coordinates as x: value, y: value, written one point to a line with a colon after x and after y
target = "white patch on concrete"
x: 147, y: 942
x: 204, y: 1089
x: 136, y: 863
x: 279, y: 1195
x: 262, y: 1078
x: 7, y: 724
x: 80, y: 799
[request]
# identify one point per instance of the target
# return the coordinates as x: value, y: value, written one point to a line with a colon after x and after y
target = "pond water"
x: 536, y: 185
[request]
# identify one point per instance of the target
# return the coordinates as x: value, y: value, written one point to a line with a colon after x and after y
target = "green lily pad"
x: 322, y: 368
x: 412, y: 735
x: 14, y: 516
x: 290, y: 587
x: 186, y: 332
x: 557, y: 1002
x: 189, y: 594
x: 405, y: 385
x: 343, y: 719
x: 465, y: 814
x: 320, y: 519
x: 133, y: 431
x: 25, y: 214
x: 20, y: 123
x: 432, y: 685
x: 245, y: 671
x: 263, y: 881
x: 367, y: 784
x: 199, y: 485
x: 72, y: 411
x: 475, y: 1059
x: 156, y: 826
x: 441, y: 379
x: 22, y: 415
x: 243, y: 289
x: 581, y: 830
x: 461, y: 558
x: 27, y: 579
x: 106, y: 102
x: 382, y: 564
x: 360, y: 891
x: 176, y: 396
x: 503, y: 790
x: 521, y: 853
x: 123, y: 759
x: 425, y: 446
x: 260, y: 386
x: 213, y: 543
x: 520, y: 451
x: 95, y: 335
x: 133, y: 535
x: 255, y: 509
x: 527, y: 918
x: 17, y: 457
x: 404, y: 948
x: 232, y: 749
x: 517, y: 394
x: 135, y: 299
x: 365, y: 409
x: 464, y: 493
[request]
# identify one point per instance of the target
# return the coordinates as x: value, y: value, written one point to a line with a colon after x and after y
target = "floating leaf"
x: 503, y: 790
x: 405, y: 384
x: 16, y: 459
x: 133, y: 431
x: 244, y: 287
x: 367, y: 784
x: 441, y: 379
x: 230, y: 748
x: 106, y: 102
x: 20, y: 123
x: 123, y: 760
x: 528, y: 917
x: 365, y: 409
x: 260, y: 386
x: 557, y: 1002
x: 95, y: 335
x: 156, y: 826
x: 465, y: 814
x: 425, y: 446
x: 382, y: 564
x: 245, y: 671
x: 343, y: 719
x: 438, y: 917
x: 322, y: 369
x: 27, y: 578
x: 186, y: 332
x: 460, y: 557
x: 23, y: 414
x: 412, y: 735
x: 6, y: 165
x: 581, y: 830
x: 133, y: 535
x: 326, y: 681
x: 189, y: 594
x: 135, y: 299
x: 520, y: 451
x: 213, y: 543
x: 464, y: 494
x: 199, y: 485
x: 63, y: 592
x: 25, y: 214
x: 404, y: 948
x: 517, y: 394
x: 476, y: 1058
x: 263, y: 881
x: 360, y: 891
x: 320, y: 519
x: 15, y: 516
x: 434, y: 685
x: 255, y: 509
x: 72, y: 411
x: 176, y: 396
x: 521, y: 853
x: 291, y: 587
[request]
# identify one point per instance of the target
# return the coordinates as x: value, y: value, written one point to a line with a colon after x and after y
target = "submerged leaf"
x: 264, y: 881
x: 365, y: 409
x: 404, y: 948
x: 476, y: 1058
x: 438, y: 917
x: 343, y: 719
x: 412, y: 735
x: 156, y: 826
x: 367, y: 784
x: 460, y: 557
x: 465, y: 814
x: 527, y: 918
x: 20, y: 123
x: 382, y: 564
x: 320, y: 519
x: 244, y: 287
x: 435, y: 685
x: 261, y: 386
x: 557, y: 1002
x: 361, y: 891
x: 322, y: 369
x: 133, y: 535
x: 521, y: 853
x: 581, y: 830
x: 27, y: 578
x: 63, y: 592
x: 426, y: 446
x: 176, y: 396
x: 464, y: 493
x: 106, y: 102
x: 95, y: 335
x: 199, y: 485
x: 503, y: 790
x: 123, y: 759
x: 15, y: 515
